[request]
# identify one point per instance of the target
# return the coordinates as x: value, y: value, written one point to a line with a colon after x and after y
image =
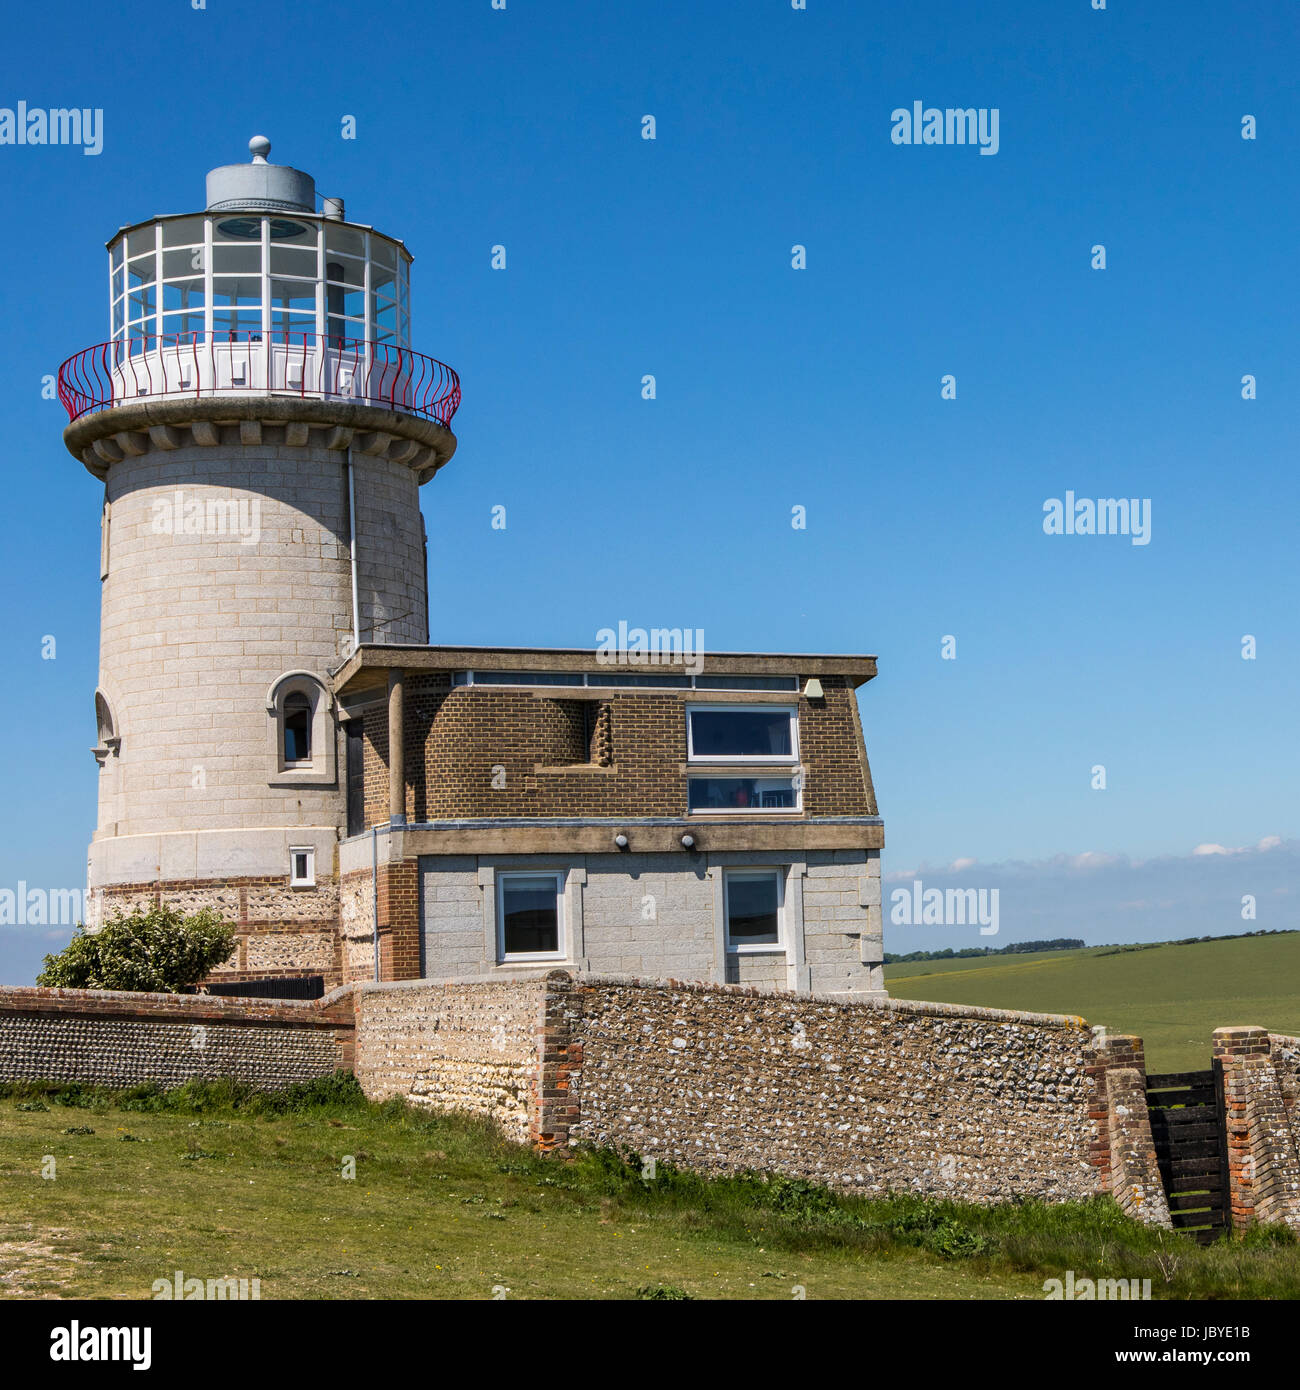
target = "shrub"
x: 159, y: 951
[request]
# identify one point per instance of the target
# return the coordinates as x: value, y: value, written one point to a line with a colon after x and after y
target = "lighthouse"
x: 261, y: 427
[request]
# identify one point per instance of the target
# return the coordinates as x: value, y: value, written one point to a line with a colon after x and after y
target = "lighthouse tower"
x: 261, y: 428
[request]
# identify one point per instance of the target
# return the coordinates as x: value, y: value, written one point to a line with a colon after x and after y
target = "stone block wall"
x: 121, y: 1039
x: 656, y: 915
x: 196, y: 627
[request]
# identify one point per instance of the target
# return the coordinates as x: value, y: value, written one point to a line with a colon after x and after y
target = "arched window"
x: 107, y: 740
x: 300, y: 730
x: 297, y: 728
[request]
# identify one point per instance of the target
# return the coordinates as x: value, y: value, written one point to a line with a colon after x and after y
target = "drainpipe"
x: 374, y: 889
x: 352, y: 546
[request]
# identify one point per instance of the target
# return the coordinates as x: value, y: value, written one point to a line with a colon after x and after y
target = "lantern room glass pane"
x: 236, y: 260
x: 119, y: 251
x: 349, y: 302
x: 188, y: 261
x: 293, y: 260
x: 383, y: 253
x: 140, y: 271
x: 178, y: 327
x: 237, y: 228
x: 183, y: 231
x: 292, y: 327
x: 118, y: 319
x: 287, y: 233
x: 294, y: 294
x: 183, y: 294
x: 229, y: 292
x: 141, y: 242
x: 141, y: 303
x: 345, y: 271
x: 240, y: 323
x: 344, y: 241
x: 350, y: 332
x: 383, y: 282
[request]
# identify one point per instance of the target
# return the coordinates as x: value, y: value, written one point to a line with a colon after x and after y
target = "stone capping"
x: 163, y: 423
x: 523, y: 976
x: 876, y: 1003
x: 579, y: 978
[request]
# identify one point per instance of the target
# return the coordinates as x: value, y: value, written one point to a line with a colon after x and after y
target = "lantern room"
x: 260, y: 293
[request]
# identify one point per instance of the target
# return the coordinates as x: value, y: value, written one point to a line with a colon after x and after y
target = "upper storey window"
x: 742, y: 733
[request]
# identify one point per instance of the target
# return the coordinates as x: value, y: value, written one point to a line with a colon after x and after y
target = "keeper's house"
x: 544, y: 808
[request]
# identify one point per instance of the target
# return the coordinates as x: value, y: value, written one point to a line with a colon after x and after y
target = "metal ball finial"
x: 259, y: 147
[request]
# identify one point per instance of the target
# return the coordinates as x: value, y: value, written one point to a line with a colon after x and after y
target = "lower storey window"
x: 743, y: 794
x: 754, y: 899
x: 529, y: 917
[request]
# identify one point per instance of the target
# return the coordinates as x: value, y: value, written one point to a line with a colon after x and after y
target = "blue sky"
x: 775, y: 387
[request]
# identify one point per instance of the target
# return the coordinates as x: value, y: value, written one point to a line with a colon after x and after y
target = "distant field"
x: 1171, y: 996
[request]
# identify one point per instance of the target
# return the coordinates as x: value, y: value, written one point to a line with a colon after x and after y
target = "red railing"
x: 252, y: 364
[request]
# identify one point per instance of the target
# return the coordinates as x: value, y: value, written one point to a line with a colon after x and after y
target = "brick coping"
x: 212, y: 1008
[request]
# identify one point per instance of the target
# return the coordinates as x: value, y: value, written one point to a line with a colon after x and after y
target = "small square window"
x: 755, y: 899
x: 530, y: 922
x: 302, y: 868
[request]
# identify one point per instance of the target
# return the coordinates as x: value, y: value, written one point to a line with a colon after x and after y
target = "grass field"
x: 1173, y: 997
x: 441, y: 1208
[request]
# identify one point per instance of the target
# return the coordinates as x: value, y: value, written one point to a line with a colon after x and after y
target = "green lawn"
x: 442, y: 1208
x: 439, y: 1208
x: 1171, y: 996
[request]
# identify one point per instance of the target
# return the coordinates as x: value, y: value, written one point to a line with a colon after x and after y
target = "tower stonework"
x: 261, y: 428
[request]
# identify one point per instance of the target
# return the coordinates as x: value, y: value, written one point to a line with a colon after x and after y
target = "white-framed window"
x: 302, y: 866
x: 755, y: 733
x: 725, y: 793
x: 754, y: 901
x: 530, y: 916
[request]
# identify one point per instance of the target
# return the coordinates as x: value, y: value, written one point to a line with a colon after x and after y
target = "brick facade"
x: 607, y: 755
x: 1263, y: 1153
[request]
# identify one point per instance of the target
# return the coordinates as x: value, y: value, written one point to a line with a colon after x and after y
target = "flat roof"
x: 369, y: 665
